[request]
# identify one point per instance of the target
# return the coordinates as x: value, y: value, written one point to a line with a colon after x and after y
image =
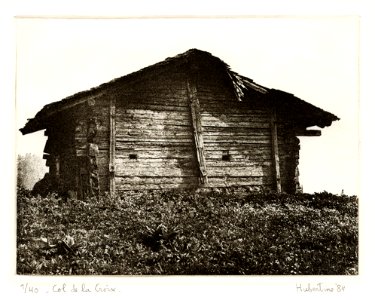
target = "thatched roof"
x: 285, y: 102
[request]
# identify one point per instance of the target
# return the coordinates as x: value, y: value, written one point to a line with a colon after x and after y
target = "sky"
x: 314, y: 58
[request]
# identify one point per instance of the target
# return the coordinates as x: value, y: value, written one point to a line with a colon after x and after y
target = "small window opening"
x: 225, y: 156
x: 133, y: 156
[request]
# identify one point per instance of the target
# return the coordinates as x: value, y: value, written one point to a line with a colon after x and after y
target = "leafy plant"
x: 188, y: 232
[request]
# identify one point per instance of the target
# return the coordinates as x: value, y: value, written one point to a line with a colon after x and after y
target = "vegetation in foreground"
x: 180, y: 232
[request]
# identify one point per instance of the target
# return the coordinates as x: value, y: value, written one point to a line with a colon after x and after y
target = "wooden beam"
x: 197, y: 128
x: 306, y: 132
x: 275, y: 151
x: 88, y: 99
x: 112, y: 145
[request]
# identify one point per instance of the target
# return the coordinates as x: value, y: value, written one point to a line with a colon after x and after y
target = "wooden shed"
x: 186, y: 122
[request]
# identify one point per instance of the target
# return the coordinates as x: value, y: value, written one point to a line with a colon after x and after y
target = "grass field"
x: 224, y: 232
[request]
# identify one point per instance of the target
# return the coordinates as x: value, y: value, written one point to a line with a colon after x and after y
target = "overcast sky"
x: 316, y: 59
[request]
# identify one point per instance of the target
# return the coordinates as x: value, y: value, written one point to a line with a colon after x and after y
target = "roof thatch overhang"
x: 286, y: 104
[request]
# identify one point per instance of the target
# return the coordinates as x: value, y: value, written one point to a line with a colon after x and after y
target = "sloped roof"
x: 311, y: 114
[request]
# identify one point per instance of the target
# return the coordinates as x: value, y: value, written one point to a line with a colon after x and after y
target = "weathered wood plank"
x: 235, y: 164
x: 112, y: 146
x: 254, y: 187
x: 238, y: 156
x: 159, y: 115
x: 215, y: 151
x: 150, y: 132
x: 152, y: 147
x: 161, y: 93
x: 236, y: 138
x: 132, y: 187
x: 156, y: 106
x: 197, y: 125
x: 236, y: 130
x: 155, y: 139
x: 152, y: 122
x: 238, y: 160
x: 156, y: 154
x: 250, y: 149
x: 226, y: 144
x: 238, y: 147
x: 247, y: 124
x: 230, y: 108
x: 238, y: 171
x: 156, y: 92
x: 222, y: 119
x: 144, y: 180
x: 275, y: 150
x: 142, y: 119
x: 122, y: 144
x: 126, y: 170
x: 235, y: 116
x: 150, y: 126
x: 154, y: 163
x: 240, y: 181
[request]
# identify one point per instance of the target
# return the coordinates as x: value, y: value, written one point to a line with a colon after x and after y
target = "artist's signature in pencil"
x: 320, y: 288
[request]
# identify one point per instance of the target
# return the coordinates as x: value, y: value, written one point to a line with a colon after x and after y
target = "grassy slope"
x: 189, y: 233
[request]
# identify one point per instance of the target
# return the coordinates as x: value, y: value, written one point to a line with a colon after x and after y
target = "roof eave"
x: 31, y: 126
x: 312, y: 115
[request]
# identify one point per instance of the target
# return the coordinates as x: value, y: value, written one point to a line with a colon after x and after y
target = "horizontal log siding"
x: 234, y: 128
x: 154, y: 141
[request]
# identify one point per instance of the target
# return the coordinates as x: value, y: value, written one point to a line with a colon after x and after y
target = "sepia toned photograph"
x: 187, y: 146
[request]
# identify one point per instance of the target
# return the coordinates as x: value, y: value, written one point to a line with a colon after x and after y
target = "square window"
x: 225, y: 156
x: 133, y: 156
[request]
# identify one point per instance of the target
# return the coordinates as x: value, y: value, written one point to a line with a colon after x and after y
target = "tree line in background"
x: 30, y: 169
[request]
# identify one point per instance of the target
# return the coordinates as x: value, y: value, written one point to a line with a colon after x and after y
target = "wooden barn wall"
x: 99, y: 111
x: 154, y: 142
x: 289, y: 147
x: 237, y: 140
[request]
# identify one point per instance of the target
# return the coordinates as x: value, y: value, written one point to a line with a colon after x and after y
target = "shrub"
x: 188, y: 232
